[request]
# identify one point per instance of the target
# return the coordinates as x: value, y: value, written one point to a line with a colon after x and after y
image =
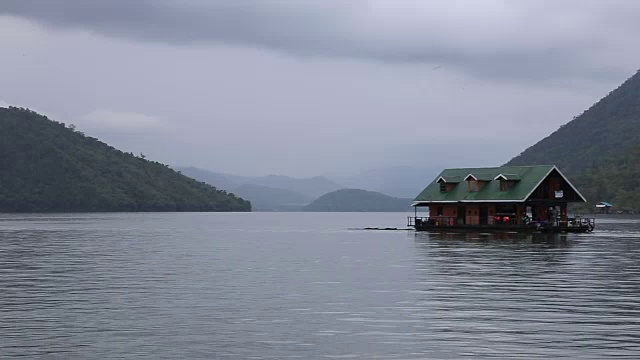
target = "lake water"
x: 302, y: 285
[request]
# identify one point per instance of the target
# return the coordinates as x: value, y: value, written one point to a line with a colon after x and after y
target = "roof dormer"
x: 507, y: 181
x: 476, y: 182
x: 447, y: 184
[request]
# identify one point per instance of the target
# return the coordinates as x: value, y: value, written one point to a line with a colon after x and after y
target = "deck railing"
x: 445, y: 221
x: 498, y: 221
x: 435, y: 221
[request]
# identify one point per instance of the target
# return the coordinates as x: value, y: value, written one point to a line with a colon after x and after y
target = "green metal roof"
x: 527, y: 179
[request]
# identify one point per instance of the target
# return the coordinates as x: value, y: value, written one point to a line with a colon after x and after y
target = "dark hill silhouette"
x: 47, y: 167
x: 353, y: 200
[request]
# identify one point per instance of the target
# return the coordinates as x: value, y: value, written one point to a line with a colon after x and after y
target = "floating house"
x: 604, y: 207
x: 500, y: 198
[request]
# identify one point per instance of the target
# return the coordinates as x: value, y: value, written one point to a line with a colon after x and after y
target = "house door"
x: 462, y: 213
x: 484, y: 214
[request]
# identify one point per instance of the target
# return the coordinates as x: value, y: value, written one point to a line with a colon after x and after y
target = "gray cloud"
x: 519, y: 41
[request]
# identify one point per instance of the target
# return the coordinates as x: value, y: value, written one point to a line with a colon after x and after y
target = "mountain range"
x: 265, y: 198
x: 267, y: 193
x: 284, y: 193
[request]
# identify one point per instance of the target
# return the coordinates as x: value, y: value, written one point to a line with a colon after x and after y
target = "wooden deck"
x: 575, y: 224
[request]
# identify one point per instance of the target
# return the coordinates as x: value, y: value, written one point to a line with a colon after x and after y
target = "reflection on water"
x: 275, y: 286
x: 499, y: 238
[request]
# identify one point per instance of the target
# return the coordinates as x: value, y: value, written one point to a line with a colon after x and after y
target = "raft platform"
x: 576, y: 224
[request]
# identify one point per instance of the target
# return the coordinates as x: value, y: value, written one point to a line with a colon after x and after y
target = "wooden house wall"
x: 472, y: 212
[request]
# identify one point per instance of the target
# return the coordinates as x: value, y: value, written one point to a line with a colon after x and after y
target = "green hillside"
x: 617, y: 181
x: 48, y: 167
x: 353, y: 200
x: 605, y: 131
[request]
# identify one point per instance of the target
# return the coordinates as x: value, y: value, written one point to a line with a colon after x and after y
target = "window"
x: 473, y: 186
x: 506, y: 185
x: 439, y: 211
x: 443, y: 187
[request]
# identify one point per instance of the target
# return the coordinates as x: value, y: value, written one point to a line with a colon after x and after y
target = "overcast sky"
x: 320, y: 86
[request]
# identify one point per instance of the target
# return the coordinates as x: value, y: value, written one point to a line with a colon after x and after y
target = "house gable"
x: 555, y: 186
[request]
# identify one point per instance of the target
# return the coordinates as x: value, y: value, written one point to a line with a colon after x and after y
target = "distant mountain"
x: 311, y: 187
x: 48, y: 167
x: 595, y: 148
x: 399, y: 181
x: 356, y: 200
x: 284, y: 193
x: 271, y: 199
x: 267, y: 193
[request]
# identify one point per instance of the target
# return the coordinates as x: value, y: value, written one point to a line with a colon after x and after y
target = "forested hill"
x: 352, y: 200
x: 616, y: 181
x: 48, y: 167
x: 598, y: 149
x: 606, y: 130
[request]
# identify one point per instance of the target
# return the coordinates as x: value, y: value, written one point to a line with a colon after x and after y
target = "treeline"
x: 46, y: 166
x: 617, y: 181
